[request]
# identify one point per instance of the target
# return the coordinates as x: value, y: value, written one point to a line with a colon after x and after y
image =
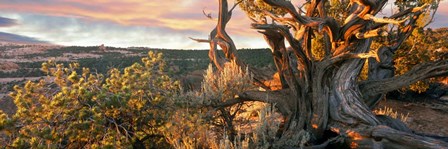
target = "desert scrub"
x: 392, y: 113
x: 75, y: 108
x: 203, y: 122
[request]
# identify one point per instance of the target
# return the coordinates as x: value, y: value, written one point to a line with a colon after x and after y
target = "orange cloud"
x: 173, y: 14
x: 119, y: 12
x: 167, y: 15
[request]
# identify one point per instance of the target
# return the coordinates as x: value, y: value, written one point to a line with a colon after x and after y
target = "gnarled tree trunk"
x: 325, y: 96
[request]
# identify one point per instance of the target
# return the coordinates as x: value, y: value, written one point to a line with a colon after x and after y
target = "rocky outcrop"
x: 8, y: 66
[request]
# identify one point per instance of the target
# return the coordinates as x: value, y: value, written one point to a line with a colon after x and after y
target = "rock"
x: 444, y: 98
x: 8, y: 66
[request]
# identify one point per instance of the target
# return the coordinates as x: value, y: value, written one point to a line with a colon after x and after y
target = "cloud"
x: 154, y: 23
x: 6, y: 22
x: 14, y: 38
x: 167, y: 13
x: 76, y: 31
x: 440, y: 19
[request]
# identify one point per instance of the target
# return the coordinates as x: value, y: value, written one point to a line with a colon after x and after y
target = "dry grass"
x: 391, y: 113
x: 255, y: 123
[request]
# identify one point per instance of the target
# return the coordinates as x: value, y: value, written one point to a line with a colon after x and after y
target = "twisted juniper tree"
x: 322, y: 93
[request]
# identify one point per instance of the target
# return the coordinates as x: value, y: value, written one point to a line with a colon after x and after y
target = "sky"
x: 127, y: 23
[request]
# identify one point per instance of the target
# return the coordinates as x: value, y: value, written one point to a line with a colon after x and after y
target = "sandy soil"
x: 429, y: 117
x: 7, y: 104
x: 8, y: 66
x: 81, y: 55
x: 28, y: 50
x: 6, y: 80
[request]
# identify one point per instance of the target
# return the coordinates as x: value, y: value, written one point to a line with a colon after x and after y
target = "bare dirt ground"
x: 7, y: 104
x: 6, y: 80
x: 425, y: 116
x: 80, y: 55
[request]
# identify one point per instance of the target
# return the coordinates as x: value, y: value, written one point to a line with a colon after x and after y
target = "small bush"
x: 74, y: 108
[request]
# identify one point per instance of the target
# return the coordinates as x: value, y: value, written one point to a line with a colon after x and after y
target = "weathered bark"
x: 345, y: 103
x: 277, y: 43
x: 382, y: 136
x: 383, y: 67
x: 420, y: 72
x: 399, y: 139
x: 219, y: 37
x: 325, y: 95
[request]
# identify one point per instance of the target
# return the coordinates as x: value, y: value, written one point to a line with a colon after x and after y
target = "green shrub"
x: 70, y: 110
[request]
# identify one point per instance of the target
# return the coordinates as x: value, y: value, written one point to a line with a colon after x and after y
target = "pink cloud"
x: 122, y: 12
x: 443, y: 8
x: 177, y: 15
x: 173, y: 14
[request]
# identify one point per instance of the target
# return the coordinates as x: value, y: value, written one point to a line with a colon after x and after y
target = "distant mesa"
x: 19, y: 39
x: 6, y: 22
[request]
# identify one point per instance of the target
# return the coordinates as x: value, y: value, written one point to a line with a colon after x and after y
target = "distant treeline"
x: 184, y: 60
